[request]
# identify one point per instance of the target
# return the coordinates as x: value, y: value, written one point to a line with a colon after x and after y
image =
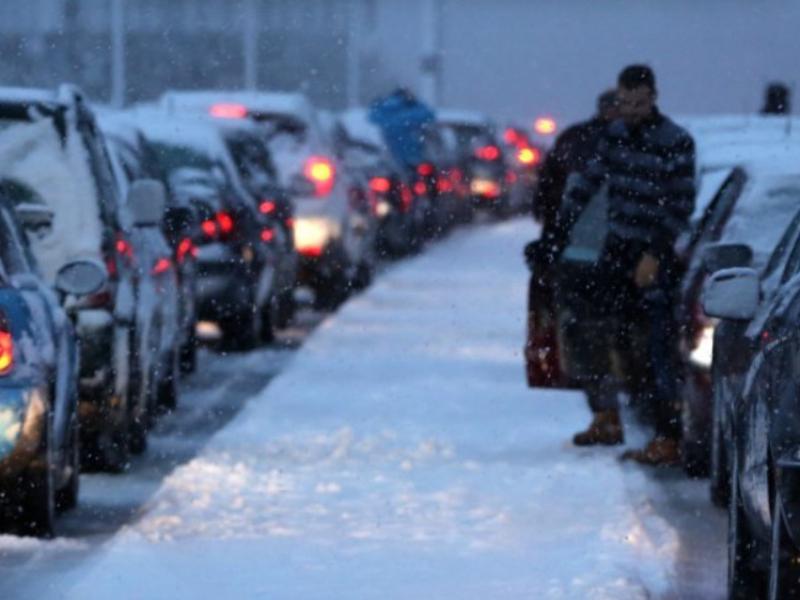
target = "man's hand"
x: 646, y: 271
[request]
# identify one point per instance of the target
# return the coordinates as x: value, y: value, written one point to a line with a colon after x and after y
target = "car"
x: 40, y: 445
x: 755, y: 197
x: 764, y: 421
x: 360, y: 147
x: 132, y: 159
x: 481, y: 156
x: 50, y: 144
x: 241, y: 246
x: 333, y: 235
x: 523, y: 160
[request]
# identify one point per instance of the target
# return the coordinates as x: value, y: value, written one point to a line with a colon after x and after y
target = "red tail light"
x: 225, y: 223
x: 529, y: 156
x: 209, y: 227
x: 489, y: 153
x: 228, y: 111
x: 124, y: 248
x: 420, y: 188
x: 406, y: 197
x: 267, y: 235
x: 267, y: 207
x: 444, y: 185
x: 511, y: 177
x: 186, y: 248
x: 425, y: 170
x: 511, y: 136
x: 162, y: 266
x: 290, y: 223
x: 6, y: 352
x: 321, y: 172
x: 311, y: 251
x: 380, y: 185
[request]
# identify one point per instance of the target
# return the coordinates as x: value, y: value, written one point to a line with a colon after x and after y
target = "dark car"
x: 242, y: 247
x: 58, y: 129
x: 40, y: 445
x: 752, y: 208
x: 480, y: 155
x: 763, y: 448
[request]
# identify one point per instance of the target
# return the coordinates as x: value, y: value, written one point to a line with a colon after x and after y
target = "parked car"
x: 240, y: 248
x: 752, y: 207
x: 333, y: 235
x: 58, y: 129
x: 40, y: 447
x: 523, y: 160
x: 762, y: 448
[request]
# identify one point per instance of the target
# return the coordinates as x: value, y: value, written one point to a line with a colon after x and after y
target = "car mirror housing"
x: 81, y: 278
x: 146, y: 202
x: 717, y: 257
x: 732, y: 294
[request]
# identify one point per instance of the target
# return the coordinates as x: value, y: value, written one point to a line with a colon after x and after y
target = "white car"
x: 334, y: 232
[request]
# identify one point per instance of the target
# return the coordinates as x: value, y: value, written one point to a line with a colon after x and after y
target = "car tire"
x: 695, y: 442
x: 38, y: 515
x: 243, y: 331
x: 67, y: 496
x: 167, y: 392
x: 784, y: 573
x: 188, y: 355
x: 744, y: 581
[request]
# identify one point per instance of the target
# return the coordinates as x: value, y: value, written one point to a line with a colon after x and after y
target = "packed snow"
x: 400, y: 455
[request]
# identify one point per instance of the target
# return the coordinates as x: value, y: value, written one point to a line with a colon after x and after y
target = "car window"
x: 785, y: 247
x: 252, y: 160
x: 718, y: 211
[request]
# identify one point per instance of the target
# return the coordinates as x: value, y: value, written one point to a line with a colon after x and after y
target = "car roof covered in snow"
x: 289, y: 103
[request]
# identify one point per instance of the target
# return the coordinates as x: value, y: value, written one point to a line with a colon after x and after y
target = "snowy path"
x: 400, y: 455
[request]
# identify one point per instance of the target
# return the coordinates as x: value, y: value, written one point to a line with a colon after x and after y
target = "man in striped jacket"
x: 647, y: 163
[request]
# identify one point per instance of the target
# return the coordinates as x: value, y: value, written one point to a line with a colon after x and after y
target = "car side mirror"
x: 732, y: 294
x: 146, y: 202
x: 34, y: 216
x: 80, y: 278
x: 717, y: 257
x: 301, y: 187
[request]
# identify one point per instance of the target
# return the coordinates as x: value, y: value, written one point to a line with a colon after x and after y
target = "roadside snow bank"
x: 400, y: 456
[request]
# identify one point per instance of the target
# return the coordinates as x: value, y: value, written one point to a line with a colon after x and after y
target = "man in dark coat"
x: 571, y: 152
x: 647, y: 163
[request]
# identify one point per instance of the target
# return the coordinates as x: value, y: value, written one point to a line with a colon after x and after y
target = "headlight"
x: 382, y: 208
x: 313, y: 235
x: 704, y: 351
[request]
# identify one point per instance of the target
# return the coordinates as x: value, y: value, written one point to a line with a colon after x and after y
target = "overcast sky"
x: 520, y: 58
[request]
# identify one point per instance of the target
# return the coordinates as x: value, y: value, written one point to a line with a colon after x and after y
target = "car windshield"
x: 172, y: 157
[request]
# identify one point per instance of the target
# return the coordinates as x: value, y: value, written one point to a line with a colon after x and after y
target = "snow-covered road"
x: 399, y: 455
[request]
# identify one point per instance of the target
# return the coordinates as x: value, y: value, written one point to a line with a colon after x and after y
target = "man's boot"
x: 605, y: 429
x: 660, y: 452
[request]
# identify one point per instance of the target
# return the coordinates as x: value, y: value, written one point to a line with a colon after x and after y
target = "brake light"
x: 380, y: 185
x: 290, y: 223
x: 267, y: 207
x: 486, y: 188
x: 444, y: 185
x: 321, y: 172
x: 529, y: 156
x: 406, y: 197
x: 186, y: 248
x: 510, y: 136
x: 228, y: 111
x: 420, y: 189
x: 124, y: 248
x: 225, y: 222
x: 267, y: 235
x: 425, y: 169
x: 6, y: 349
x: 545, y: 126
x: 162, y: 266
x: 511, y: 177
x: 489, y: 153
x: 209, y: 227
x: 310, y: 251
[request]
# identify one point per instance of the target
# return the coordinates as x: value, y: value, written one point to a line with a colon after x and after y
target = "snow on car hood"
x: 33, y: 154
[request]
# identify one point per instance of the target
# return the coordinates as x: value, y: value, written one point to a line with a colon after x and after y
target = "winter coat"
x: 650, y: 172
x: 403, y: 122
x: 571, y: 152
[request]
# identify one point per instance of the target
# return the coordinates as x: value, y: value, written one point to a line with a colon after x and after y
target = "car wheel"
x: 67, y: 497
x: 784, y: 573
x: 744, y: 581
x: 167, y: 393
x: 188, y: 355
x: 38, y: 515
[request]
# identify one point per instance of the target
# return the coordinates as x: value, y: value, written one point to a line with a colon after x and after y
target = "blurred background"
x: 512, y: 58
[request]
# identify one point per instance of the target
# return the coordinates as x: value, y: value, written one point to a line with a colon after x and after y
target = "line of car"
x: 124, y: 233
